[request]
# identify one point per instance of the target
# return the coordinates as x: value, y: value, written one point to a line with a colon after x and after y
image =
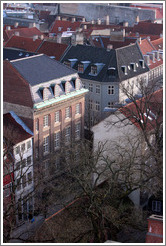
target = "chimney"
x: 155, y: 229
x: 161, y: 35
x: 124, y: 33
x: 35, y: 37
x: 42, y: 37
x: 156, y: 52
x: 8, y: 28
x: 34, y: 24
x: 107, y: 20
x: 58, y: 18
x: 137, y: 19
x: 125, y: 24
x: 17, y: 34
x: 148, y: 38
x: 16, y: 24
x: 73, y: 19
x: 85, y: 27
x: 98, y: 21
x: 83, y: 19
x: 109, y: 47
x: 147, y: 60
x: 152, y: 56
x: 92, y: 22
x: 59, y: 38
x: 139, y: 40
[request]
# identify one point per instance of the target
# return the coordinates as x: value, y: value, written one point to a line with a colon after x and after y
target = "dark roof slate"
x: 13, y: 54
x: 40, y: 68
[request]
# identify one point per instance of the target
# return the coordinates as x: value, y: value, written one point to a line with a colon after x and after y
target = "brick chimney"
x: 155, y: 229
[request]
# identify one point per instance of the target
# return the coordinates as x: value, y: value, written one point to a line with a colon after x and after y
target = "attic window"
x: 133, y: 66
x: 67, y: 63
x: 52, y: 89
x: 93, y: 69
x: 80, y: 68
x: 111, y: 71
x: 142, y: 63
x: 124, y: 69
x: 41, y: 92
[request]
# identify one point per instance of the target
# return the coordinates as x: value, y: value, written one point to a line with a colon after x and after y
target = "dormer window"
x: 40, y: 91
x: 133, y: 66
x: 70, y: 62
x: 111, y: 71
x: 67, y: 63
x: 142, y: 63
x: 124, y: 69
x: 80, y: 68
x: 93, y: 69
x: 59, y: 28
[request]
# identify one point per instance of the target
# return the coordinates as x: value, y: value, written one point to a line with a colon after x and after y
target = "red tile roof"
x: 158, y: 44
x: 116, y: 44
x: 148, y: 28
x: 15, y: 89
x: 136, y: 112
x: 23, y: 43
x: 13, y: 131
x: 146, y: 46
x: 64, y: 25
x: 52, y: 49
x: 23, y: 32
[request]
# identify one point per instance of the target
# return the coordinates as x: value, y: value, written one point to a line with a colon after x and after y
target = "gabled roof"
x: 64, y: 25
x: 13, y: 54
x: 94, y: 55
x: 13, y: 131
x: 150, y: 108
x: 148, y: 28
x: 40, y: 68
x: 23, y: 43
x: 158, y: 44
x: 146, y: 46
x: 127, y: 55
x: 103, y: 42
x: 52, y: 49
x: 15, y: 83
x: 23, y: 32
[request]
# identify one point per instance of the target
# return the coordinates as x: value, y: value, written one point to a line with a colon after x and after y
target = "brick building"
x: 49, y: 97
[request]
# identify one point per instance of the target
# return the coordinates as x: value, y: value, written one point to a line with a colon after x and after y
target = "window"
x: 93, y: 70
x: 78, y: 108
x: 110, y: 104
x: 57, y: 118
x: 111, y: 89
x: 80, y: 68
x: 29, y: 160
x: 90, y: 104
x: 67, y: 63
x: 91, y: 87
x: 23, y: 147
x: 156, y: 206
x: 17, y: 150
x: 29, y: 144
x: 67, y: 134
x: 45, y: 121
x: 18, y: 164
x: 24, y: 181
x: 67, y: 112
x: 23, y: 163
x: 7, y: 189
x: 97, y: 106
x: 18, y: 184
x: 77, y: 130
x: 37, y: 125
x: 46, y: 144
x: 97, y: 89
x: 57, y: 139
x: 29, y: 178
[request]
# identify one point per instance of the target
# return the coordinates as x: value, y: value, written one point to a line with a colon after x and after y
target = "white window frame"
x: 111, y: 89
x: 77, y: 130
x: 90, y: 87
x: 57, y: 138
x: 97, y: 106
x: 156, y: 206
x: 78, y: 108
x: 97, y: 89
x: 28, y: 144
x: 67, y: 112
x: 67, y: 134
x: 45, y: 121
x: 57, y: 116
x: 46, y: 144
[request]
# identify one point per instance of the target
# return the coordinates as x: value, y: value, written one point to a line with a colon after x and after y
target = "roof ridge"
x: 25, y: 57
